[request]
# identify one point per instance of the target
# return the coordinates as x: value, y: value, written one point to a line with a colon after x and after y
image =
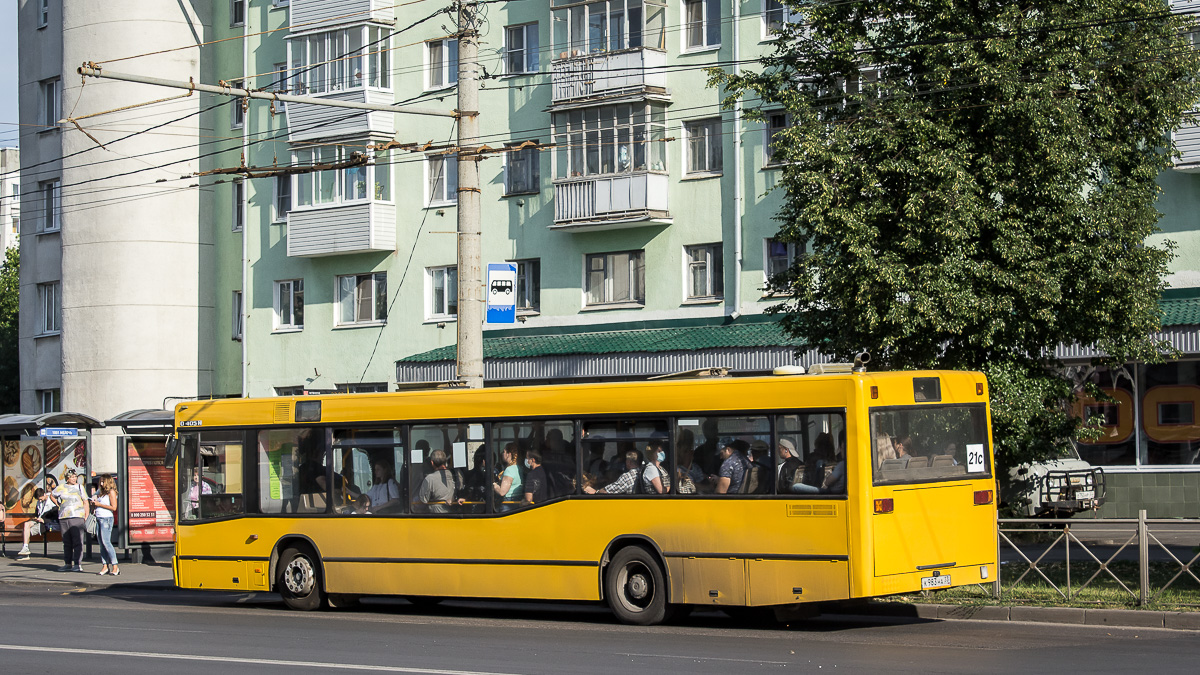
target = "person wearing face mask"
x: 655, y: 480
x: 537, y: 488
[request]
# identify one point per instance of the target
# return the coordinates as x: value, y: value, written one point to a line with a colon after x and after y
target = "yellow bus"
x: 650, y: 496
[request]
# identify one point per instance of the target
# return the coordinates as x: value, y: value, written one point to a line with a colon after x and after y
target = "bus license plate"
x: 1085, y: 494
x: 940, y: 581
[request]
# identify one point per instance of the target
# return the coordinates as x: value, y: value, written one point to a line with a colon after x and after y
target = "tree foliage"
x: 974, y: 182
x: 10, y: 375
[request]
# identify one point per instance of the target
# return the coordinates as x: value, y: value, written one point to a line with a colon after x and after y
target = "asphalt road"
x: 133, y: 631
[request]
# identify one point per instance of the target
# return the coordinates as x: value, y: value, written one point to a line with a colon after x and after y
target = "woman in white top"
x: 104, y: 505
x: 655, y: 480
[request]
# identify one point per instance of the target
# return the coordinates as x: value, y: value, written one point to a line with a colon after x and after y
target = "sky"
x: 8, y: 72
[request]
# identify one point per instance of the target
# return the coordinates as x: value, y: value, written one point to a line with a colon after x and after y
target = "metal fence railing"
x: 1034, y: 544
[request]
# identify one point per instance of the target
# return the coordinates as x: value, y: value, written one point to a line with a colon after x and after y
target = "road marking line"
x: 159, y: 630
x: 260, y: 662
x: 706, y: 658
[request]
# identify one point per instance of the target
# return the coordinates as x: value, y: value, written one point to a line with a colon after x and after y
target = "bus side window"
x: 810, y: 454
x: 292, y: 470
x: 438, y: 465
x: 369, y: 461
x: 729, y: 454
x: 534, y: 463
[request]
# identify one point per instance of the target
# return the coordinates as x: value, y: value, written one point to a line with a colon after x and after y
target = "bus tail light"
x: 874, y: 391
x: 983, y: 497
x: 979, y: 389
x: 884, y: 505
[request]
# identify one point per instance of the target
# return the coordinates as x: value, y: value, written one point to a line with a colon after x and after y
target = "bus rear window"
x: 917, y: 444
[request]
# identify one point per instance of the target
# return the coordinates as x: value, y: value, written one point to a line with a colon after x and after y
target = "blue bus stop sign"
x: 501, y: 293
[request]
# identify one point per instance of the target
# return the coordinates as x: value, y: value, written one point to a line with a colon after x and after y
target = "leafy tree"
x: 973, y: 182
x: 10, y: 375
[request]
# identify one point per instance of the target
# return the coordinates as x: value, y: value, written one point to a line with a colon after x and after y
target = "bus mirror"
x: 172, y: 452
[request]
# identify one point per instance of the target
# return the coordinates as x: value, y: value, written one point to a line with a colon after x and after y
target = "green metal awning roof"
x: 671, y: 339
x: 1180, y: 311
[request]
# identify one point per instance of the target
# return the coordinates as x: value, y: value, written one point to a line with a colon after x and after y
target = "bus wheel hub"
x: 299, y: 576
x: 639, y: 587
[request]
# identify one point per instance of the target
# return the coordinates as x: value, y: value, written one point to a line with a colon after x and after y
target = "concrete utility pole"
x: 470, y: 281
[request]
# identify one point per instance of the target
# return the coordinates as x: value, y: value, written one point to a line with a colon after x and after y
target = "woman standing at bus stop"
x: 105, y: 506
x: 73, y: 509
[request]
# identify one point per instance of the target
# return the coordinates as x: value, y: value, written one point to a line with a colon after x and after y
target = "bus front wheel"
x: 299, y: 580
x: 635, y: 587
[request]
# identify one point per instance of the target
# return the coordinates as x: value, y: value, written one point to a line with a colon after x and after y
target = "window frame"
x: 530, y: 56
x: 710, y: 130
x: 767, y: 257
x: 314, y: 70
x: 238, y: 328
x: 528, y: 298
x: 581, y: 139
x: 635, y: 257
x: 49, y: 296
x: 281, y: 202
x: 710, y: 11
x: 238, y: 204
x: 448, y: 64
x: 530, y: 158
x: 295, y: 290
x: 377, y: 167
x: 50, y: 196
x: 442, y: 313
x: 786, y: 15
x: 237, y: 110
x: 236, y: 7
x: 378, y: 310
x: 769, y: 131
x: 445, y: 198
x: 43, y: 14
x: 715, y: 273
x: 55, y: 400
x: 50, y: 103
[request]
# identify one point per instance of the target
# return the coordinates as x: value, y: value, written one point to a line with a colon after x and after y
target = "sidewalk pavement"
x: 41, y: 570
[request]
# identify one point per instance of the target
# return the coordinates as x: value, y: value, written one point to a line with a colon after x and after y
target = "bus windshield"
x: 917, y: 444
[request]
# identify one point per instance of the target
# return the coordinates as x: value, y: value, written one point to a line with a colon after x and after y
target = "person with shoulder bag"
x: 73, y: 510
x: 104, y: 506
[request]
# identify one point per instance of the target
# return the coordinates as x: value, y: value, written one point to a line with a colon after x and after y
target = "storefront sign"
x: 151, y: 490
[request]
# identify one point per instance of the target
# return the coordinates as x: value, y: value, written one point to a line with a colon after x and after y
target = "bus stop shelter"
x: 38, y: 450
x: 146, y: 485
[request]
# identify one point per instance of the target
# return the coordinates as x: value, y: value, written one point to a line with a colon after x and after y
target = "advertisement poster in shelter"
x: 150, y: 493
x: 22, y: 474
x: 63, y: 454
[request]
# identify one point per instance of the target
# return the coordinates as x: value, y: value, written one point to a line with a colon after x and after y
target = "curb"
x: 89, y: 586
x: 1127, y: 618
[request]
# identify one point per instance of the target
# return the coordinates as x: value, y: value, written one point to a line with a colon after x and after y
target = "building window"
x: 331, y: 186
x: 237, y: 12
x: 283, y: 197
x: 278, y: 83
x: 779, y: 257
x: 50, y: 304
x: 776, y: 123
x: 610, y: 139
x: 239, y: 205
x: 50, y: 102
x: 443, y: 292
x: 703, y: 145
x: 521, y: 49
x: 608, y: 26
x: 341, y: 59
x: 43, y: 14
x: 775, y: 15
x: 50, y: 400
x: 237, y: 315
x: 616, y: 278
x: 706, y: 277
x: 290, y: 391
x: 529, y: 285
x: 237, y: 114
x: 279, y: 3
x: 443, y: 63
x: 441, y: 179
x: 702, y: 24
x: 363, y: 388
x: 289, y: 304
x: 521, y: 170
x: 50, y: 194
x: 362, y: 298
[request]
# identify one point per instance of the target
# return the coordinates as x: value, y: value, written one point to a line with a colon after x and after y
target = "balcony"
x: 610, y: 202
x: 1187, y: 141
x: 311, y: 122
x: 606, y: 74
x: 317, y: 14
x: 342, y: 230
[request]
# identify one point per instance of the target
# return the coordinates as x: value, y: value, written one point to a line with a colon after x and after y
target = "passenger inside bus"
x: 835, y: 482
x: 537, y: 486
x: 625, y: 483
x: 655, y: 478
x: 733, y: 466
x: 791, y: 469
x: 362, y: 505
x: 439, y: 489
x: 384, y: 491
x: 508, y: 485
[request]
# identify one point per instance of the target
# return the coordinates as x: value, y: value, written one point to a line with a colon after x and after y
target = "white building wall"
x: 129, y: 248
x: 10, y: 196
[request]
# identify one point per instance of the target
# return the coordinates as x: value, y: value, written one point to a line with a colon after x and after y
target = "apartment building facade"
x: 10, y: 197
x: 638, y: 211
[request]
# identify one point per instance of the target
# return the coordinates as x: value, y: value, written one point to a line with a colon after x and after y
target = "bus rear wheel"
x: 635, y: 587
x: 299, y: 580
